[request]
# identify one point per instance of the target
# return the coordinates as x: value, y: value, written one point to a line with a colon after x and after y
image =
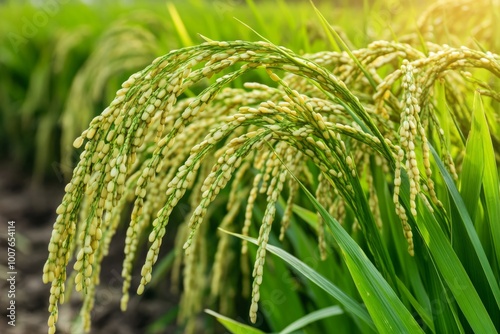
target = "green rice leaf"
x: 450, y: 266
x: 233, y: 326
x: 443, y: 307
x: 480, y: 196
x: 490, y: 178
x: 387, y: 311
x: 179, y: 25
x: 350, y: 305
x: 473, y: 167
x: 327, y: 29
x: 312, y: 317
x: 420, y: 310
x: 308, y: 216
x: 257, y: 14
x: 331, y: 32
x: 383, y: 304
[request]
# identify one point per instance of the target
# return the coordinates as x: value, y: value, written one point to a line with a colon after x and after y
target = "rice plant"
x: 397, y: 142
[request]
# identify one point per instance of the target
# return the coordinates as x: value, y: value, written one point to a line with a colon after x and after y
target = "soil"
x: 32, y: 207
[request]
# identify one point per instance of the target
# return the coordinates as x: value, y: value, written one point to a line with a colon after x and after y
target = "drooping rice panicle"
x: 153, y: 147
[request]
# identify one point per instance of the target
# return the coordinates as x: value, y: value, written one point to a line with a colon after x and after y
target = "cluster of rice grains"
x: 125, y: 47
x: 325, y: 122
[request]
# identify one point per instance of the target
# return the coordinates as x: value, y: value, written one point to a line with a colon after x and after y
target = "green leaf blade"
x: 350, y: 305
x: 311, y: 317
x: 234, y: 326
x: 386, y: 309
x: 450, y: 266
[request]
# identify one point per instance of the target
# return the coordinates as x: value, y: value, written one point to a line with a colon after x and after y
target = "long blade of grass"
x: 386, y: 309
x: 443, y: 310
x: 331, y: 32
x: 257, y: 14
x: 350, y: 305
x: 331, y: 39
x: 467, y: 221
x: 234, y: 326
x: 454, y: 274
x: 473, y: 166
x: 308, y: 216
x: 312, y: 317
x: 490, y: 178
x: 179, y: 25
x: 427, y: 319
x: 304, y: 245
x: 253, y: 30
x: 473, y: 181
x: 449, y: 264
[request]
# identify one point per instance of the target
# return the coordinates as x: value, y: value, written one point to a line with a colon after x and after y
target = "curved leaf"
x: 350, y: 305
